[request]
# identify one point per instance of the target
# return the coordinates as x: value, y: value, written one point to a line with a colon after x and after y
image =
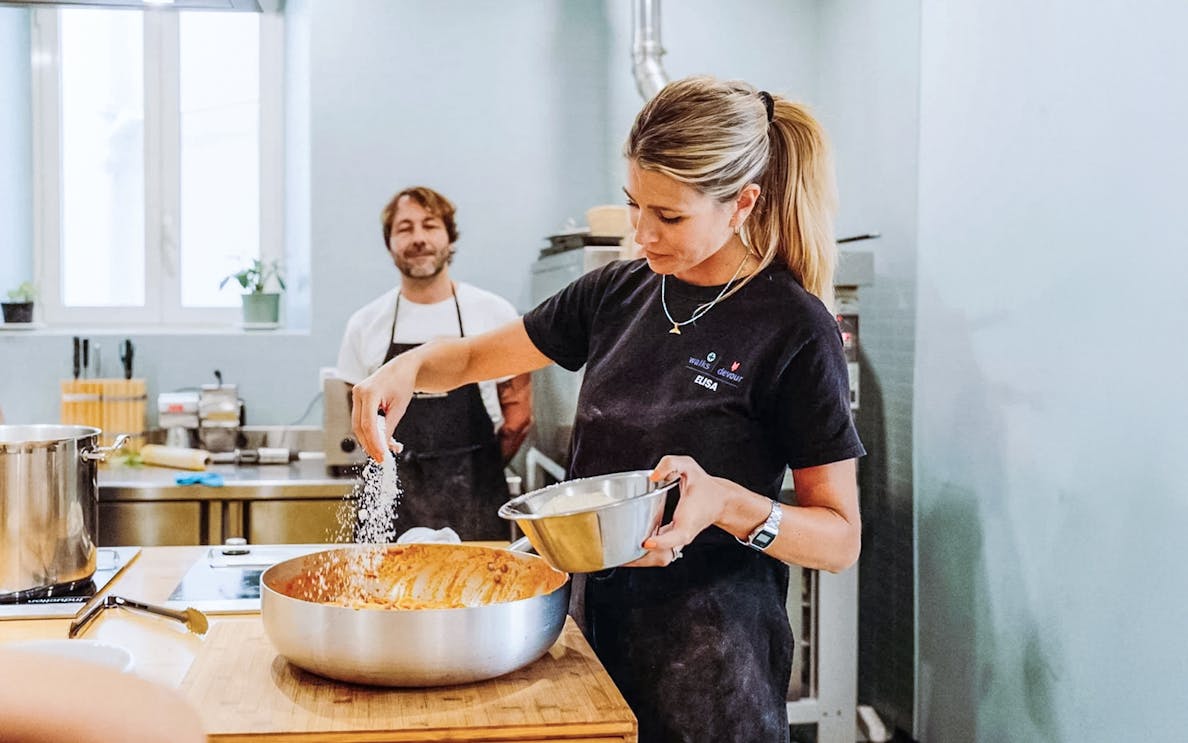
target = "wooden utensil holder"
x: 114, y: 406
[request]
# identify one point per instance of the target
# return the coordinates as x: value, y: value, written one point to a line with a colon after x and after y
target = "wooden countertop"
x: 243, y: 690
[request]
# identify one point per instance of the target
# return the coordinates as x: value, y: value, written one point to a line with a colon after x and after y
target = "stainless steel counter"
x: 293, y: 503
x: 294, y: 481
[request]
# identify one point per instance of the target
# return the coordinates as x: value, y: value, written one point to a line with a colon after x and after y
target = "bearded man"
x: 456, y: 443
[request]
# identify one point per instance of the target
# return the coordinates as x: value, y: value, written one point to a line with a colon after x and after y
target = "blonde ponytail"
x: 716, y: 137
x: 798, y: 201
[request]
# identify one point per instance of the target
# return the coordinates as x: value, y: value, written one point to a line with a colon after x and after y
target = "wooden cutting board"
x: 246, y: 692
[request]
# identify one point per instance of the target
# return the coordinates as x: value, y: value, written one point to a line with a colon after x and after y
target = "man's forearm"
x: 515, y: 399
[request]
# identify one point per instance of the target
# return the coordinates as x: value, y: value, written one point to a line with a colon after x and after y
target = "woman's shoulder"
x: 790, y: 312
x: 614, y: 278
x: 777, y: 284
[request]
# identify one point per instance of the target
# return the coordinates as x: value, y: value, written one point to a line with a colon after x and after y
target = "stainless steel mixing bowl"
x: 418, y: 647
x: 591, y: 523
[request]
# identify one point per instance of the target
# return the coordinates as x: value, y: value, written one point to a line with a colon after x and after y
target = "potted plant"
x: 259, y: 305
x: 19, y: 307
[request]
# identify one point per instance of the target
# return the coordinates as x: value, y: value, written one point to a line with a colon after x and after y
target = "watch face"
x: 763, y: 539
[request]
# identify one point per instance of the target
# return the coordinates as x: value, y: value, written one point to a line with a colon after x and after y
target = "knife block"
x: 114, y: 406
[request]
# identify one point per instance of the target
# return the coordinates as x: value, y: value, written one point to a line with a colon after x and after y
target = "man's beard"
x: 421, y: 270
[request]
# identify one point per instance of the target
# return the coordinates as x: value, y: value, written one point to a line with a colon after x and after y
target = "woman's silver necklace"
x: 701, y: 309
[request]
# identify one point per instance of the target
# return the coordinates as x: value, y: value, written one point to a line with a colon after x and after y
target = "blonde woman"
x: 714, y: 357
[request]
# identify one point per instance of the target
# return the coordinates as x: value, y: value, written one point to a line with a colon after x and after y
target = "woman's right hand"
x: 388, y: 390
x: 439, y: 365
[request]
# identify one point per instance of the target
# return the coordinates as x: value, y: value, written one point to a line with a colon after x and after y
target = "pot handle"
x: 520, y: 545
x: 99, y: 453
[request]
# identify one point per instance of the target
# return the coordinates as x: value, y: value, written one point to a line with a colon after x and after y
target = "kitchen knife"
x: 98, y: 362
x: 126, y: 357
x: 77, y: 356
x: 86, y: 365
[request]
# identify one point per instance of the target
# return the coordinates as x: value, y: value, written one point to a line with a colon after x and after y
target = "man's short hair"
x: 431, y: 201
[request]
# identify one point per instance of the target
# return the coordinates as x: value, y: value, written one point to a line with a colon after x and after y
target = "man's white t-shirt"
x: 367, y: 335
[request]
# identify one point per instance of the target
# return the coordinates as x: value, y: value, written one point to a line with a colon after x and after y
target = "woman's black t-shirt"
x: 757, y: 384
x: 701, y: 649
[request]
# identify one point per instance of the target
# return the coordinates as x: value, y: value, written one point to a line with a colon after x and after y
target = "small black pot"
x: 17, y: 311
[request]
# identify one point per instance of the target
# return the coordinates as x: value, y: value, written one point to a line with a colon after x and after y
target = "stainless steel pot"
x: 488, y: 637
x: 49, y: 508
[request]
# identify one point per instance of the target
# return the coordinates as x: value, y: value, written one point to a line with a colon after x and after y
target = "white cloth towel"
x: 425, y: 534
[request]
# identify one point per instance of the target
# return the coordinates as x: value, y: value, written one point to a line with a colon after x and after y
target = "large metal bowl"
x: 418, y: 647
x: 591, y: 523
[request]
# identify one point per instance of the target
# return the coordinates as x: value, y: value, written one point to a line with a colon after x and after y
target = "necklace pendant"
x: 675, y: 329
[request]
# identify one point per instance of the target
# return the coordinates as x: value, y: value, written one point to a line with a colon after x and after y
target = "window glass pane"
x: 220, y: 153
x: 102, y: 158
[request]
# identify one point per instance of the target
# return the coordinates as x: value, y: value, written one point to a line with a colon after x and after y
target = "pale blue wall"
x: 1050, y: 397
x: 514, y: 108
x: 772, y: 44
x: 473, y: 99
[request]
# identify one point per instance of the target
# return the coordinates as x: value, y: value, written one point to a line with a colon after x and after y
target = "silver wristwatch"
x: 766, y: 532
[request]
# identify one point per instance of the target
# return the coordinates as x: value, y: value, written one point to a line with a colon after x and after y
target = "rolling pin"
x: 175, y: 456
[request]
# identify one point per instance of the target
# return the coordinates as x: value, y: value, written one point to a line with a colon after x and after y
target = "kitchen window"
x: 158, y: 141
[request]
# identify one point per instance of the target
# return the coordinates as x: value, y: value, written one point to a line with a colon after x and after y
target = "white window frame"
x: 162, y: 177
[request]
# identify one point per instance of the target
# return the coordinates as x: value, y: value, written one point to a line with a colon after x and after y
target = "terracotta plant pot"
x: 17, y: 312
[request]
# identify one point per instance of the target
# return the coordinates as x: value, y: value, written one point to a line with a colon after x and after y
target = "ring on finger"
x: 676, y: 554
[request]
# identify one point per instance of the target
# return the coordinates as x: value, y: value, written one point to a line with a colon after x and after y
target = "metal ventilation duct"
x: 646, y: 50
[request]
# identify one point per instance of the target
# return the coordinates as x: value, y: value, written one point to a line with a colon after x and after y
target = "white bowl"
x: 86, y: 651
x: 612, y: 220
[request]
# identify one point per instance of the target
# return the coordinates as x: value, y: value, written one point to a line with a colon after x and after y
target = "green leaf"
x: 25, y: 292
x: 254, y: 278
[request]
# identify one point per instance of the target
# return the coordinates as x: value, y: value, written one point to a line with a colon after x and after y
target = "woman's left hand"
x: 697, y: 509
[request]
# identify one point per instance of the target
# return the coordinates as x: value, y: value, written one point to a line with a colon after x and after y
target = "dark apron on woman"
x: 451, y: 471
x: 702, y: 649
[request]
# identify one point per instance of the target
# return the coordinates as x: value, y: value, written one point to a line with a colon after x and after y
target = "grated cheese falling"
x: 389, y: 485
x: 376, y: 495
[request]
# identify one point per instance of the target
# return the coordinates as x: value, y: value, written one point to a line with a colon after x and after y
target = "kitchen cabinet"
x: 164, y: 523
x: 309, y: 521
x: 295, y: 503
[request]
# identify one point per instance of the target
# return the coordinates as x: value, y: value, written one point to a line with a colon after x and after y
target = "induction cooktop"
x: 110, y: 562
x: 227, y: 582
